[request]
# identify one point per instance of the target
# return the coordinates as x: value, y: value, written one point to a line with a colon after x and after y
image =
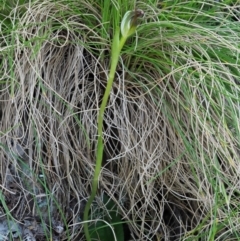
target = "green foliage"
x: 6, y: 18
x: 110, y: 225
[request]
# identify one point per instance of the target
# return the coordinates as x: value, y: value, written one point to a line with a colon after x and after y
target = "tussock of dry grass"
x: 155, y: 124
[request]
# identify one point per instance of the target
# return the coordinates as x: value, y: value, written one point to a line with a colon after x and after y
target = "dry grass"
x: 171, y: 159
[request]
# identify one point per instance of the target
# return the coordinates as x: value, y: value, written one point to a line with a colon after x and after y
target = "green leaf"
x: 102, y: 231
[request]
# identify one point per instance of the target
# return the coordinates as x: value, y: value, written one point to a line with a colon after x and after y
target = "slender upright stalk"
x: 128, y: 27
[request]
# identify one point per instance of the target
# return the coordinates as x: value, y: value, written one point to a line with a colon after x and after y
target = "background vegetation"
x: 171, y: 128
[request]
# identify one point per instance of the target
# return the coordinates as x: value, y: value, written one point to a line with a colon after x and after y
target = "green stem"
x: 100, y: 146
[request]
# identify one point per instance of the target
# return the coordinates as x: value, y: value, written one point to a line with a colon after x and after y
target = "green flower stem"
x: 100, y: 146
x: 128, y: 27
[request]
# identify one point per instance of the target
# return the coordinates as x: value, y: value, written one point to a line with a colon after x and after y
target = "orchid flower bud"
x: 130, y: 22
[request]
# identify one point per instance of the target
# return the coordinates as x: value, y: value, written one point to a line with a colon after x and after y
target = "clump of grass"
x: 170, y: 129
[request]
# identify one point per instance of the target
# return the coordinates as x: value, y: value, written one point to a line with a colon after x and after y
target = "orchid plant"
x: 128, y: 27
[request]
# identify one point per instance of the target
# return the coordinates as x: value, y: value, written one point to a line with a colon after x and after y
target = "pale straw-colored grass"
x: 171, y: 128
